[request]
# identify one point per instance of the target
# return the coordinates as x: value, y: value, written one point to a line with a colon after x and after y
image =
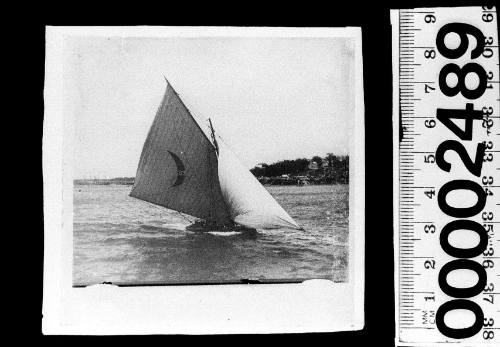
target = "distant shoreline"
x: 126, y: 181
x: 300, y: 181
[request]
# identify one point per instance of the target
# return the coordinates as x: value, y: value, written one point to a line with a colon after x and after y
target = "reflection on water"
x: 121, y: 239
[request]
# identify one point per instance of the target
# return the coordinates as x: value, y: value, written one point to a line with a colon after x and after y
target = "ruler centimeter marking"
x: 419, y: 257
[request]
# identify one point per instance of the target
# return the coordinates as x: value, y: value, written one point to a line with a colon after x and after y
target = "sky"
x: 270, y: 99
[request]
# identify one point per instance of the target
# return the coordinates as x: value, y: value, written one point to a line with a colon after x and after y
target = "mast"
x: 213, y: 136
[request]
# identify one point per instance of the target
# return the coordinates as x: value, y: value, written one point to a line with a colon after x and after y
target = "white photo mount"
x: 311, y: 306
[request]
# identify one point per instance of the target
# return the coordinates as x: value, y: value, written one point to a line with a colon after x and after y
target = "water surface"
x: 121, y: 239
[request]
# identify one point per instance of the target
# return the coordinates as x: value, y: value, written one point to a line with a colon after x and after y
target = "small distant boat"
x: 188, y: 168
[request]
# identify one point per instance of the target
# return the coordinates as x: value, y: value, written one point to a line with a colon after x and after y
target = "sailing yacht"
x: 189, y: 169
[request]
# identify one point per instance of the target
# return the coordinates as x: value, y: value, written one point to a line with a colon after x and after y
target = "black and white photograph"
x: 193, y: 158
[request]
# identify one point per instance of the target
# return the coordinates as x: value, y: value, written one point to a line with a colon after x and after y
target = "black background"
x: 373, y: 18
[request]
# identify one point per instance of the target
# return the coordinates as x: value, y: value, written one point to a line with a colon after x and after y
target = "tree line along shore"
x: 331, y: 169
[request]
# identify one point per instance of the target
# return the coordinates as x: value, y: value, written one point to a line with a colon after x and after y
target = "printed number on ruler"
x: 448, y: 175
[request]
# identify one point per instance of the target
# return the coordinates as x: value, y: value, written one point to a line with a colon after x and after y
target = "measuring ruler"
x: 446, y: 176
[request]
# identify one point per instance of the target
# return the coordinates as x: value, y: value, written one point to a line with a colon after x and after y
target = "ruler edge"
x: 395, y: 37
x: 394, y: 18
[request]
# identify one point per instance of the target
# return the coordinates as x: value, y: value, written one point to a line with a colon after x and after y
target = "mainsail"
x: 178, y: 165
x: 182, y: 169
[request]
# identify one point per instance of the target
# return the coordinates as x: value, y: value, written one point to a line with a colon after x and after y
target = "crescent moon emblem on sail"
x: 181, y: 169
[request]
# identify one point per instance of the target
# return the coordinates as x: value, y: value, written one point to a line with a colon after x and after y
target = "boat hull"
x: 205, y: 227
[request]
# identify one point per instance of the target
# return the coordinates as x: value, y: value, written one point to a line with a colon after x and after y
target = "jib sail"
x: 249, y: 203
